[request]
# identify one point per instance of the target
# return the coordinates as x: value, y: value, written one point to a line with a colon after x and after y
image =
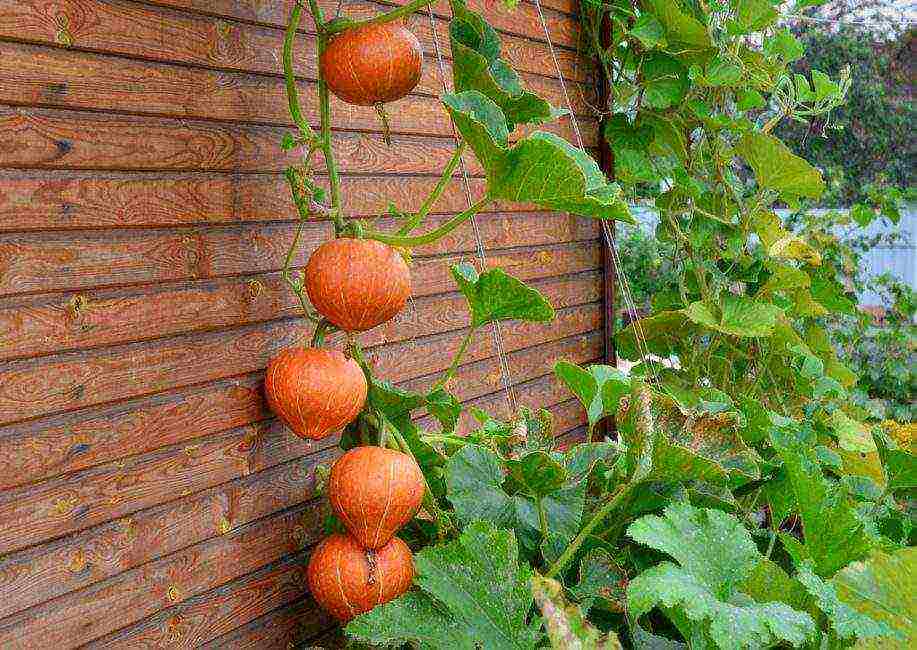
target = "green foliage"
x: 472, y: 591
x: 715, y: 554
x: 866, y: 139
x: 493, y: 296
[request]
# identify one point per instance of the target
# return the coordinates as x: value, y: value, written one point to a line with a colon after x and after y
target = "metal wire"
x: 508, y: 386
x: 639, y: 334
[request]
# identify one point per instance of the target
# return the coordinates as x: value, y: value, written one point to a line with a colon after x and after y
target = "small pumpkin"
x: 347, y: 579
x: 315, y: 391
x: 357, y: 283
x: 373, y: 64
x: 375, y: 491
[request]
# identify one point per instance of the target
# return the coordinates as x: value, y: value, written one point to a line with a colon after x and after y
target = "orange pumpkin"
x: 375, y: 491
x: 347, y: 580
x: 315, y: 391
x: 372, y: 64
x: 357, y: 283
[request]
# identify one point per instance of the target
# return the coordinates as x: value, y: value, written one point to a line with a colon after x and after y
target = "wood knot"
x: 77, y: 561
x: 225, y: 525
x: 62, y: 35
x: 174, y: 594
x: 77, y: 306
x: 255, y: 289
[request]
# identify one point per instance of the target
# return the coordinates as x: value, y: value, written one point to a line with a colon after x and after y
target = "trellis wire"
x: 639, y: 335
x: 508, y: 386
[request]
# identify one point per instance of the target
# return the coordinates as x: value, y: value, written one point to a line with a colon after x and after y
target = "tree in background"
x: 869, y: 139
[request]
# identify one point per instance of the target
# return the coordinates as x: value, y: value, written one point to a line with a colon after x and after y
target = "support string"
x: 630, y: 305
x: 507, y: 380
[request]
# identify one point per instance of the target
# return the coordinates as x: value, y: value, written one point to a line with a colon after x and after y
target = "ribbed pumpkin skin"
x: 347, y: 580
x: 314, y: 391
x: 375, y: 492
x: 373, y: 64
x: 357, y: 283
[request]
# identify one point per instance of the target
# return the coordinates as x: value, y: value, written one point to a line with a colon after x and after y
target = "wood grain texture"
x: 142, y: 31
x: 149, y: 498
x: 40, y: 76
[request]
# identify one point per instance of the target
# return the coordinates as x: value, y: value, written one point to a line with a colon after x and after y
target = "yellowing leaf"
x: 778, y: 168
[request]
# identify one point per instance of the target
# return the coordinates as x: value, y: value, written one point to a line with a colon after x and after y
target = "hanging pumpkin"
x: 357, y: 283
x: 347, y: 580
x: 373, y: 64
x: 315, y: 391
x: 374, y: 492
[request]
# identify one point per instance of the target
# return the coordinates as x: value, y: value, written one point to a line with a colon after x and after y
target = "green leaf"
x: 752, y: 16
x: 567, y: 627
x: 715, y: 554
x: 601, y: 582
x: 665, y: 80
x: 785, y: 46
x: 598, y: 388
x: 750, y: 99
x: 722, y: 72
x: 884, y: 587
x: 741, y: 316
x: 474, y: 594
x: 680, y: 27
x: 777, y: 168
x: 477, y: 66
x: 537, y: 474
x: 494, y: 296
x: 900, y: 465
x: 474, y: 479
x: 541, y: 168
x: 445, y: 407
x: 621, y: 133
x: 649, y: 31
x: 833, y: 534
x: 846, y: 622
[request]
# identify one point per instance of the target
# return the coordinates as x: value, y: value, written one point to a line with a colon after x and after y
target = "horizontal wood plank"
x: 279, y: 630
x: 39, y: 76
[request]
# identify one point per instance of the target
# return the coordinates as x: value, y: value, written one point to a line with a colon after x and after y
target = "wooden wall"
x: 147, y: 497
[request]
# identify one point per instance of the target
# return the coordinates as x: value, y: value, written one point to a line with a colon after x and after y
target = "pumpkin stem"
x: 373, y: 565
x: 386, y: 127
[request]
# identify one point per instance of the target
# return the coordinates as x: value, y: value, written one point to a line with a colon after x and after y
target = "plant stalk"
x: 437, y: 192
x: 456, y: 360
x: 292, y: 93
x: 597, y: 518
x: 379, y: 19
x: 433, y: 235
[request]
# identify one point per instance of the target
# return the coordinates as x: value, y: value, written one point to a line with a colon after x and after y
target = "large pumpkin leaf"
x: 601, y: 582
x: 833, y: 535
x: 752, y: 16
x: 541, y: 168
x: 884, y: 587
x: 778, y: 168
x: 494, y: 296
x: 665, y: 81
x: 739, y: 316
x: 599, y: 388
x: 846, y: 622
x: 900, y: 465
x: 477, y: 65
x: 714, y: 554
x: 474, y: 486
x: 474, y: 593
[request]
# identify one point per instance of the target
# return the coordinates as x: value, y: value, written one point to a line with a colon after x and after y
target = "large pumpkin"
x: 357, y: 283
x: 373, y: 64
x: 315, y: 391
x: 347, y: 580
x: 375, y: 492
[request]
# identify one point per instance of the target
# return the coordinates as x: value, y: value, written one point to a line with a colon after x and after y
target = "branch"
x: 379, y: 19
x: 433, y: 235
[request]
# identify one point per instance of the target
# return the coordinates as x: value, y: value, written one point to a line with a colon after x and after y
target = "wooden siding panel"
x: 149, y: 498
